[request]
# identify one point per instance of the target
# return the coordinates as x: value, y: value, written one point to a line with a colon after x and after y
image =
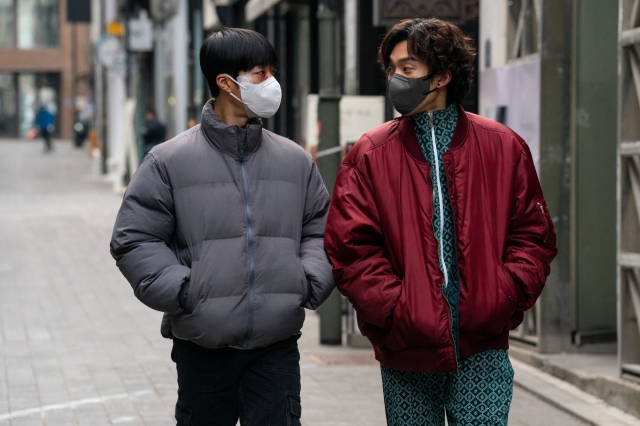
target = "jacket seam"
x: 511, y: 134
x: 357, y: 172
x: 162, y: 176
x: 311, y: 237
x: 234, y: 182
x: 475, y: 123
x: 390, y: 138
x: 231, y: 238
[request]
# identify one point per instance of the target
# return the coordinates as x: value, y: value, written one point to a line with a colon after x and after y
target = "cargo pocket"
x: 294, y: 410
x: 183, y: 415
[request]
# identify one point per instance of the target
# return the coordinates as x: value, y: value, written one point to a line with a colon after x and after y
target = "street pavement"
x: 76, y: 346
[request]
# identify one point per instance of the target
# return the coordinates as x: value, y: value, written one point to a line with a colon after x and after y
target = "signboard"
x: 311, y: 127
x: 115, y: 28
x: 511, y: 95
x: 163, y: 9
x: 78, y: 11
x: 140, y: 35
x: 358, y: 115
x: 385, y: 12
x: 111, y: 55
x: 210, y: 18
x: 256, y: 8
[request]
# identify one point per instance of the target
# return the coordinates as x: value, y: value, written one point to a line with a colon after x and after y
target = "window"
x: 21, y: 94
x: 48, y: 28
x: 7, y: 21
x: 8, y: 105
x: 523, y: 27
x: 28, y: 24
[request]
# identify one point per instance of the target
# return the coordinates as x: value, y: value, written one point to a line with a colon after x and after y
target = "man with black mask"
x: 221, y: 228
x: 152, y: 132
x: 440, y: 237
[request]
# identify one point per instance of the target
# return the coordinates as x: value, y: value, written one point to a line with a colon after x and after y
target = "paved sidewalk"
x: 77, y: 348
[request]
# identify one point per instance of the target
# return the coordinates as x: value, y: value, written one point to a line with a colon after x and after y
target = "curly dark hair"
x: 441, y: 44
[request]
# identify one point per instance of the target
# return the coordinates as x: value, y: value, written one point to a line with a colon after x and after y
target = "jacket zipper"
x: 250, y: 237
x: 440, y: 243
x: 437, y: 166
x: 546, y: 224
x: 455, y: 349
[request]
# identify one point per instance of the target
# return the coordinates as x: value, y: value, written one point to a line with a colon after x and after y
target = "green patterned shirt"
x: 444, y: 124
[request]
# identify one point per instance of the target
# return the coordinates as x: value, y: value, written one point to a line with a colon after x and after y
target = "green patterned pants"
x: 479, y: 394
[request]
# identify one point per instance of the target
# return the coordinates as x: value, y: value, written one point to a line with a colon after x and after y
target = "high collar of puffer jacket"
x: 230, y: 139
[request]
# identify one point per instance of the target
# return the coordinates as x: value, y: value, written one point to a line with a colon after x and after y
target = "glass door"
x: 8, y: 106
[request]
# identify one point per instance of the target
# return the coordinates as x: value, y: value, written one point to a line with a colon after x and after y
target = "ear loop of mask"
x: 239, y: 84
x: 429, y: 77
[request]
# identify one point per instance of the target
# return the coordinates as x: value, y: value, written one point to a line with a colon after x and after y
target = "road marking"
x: 74, y: 404
x: 123, y: 420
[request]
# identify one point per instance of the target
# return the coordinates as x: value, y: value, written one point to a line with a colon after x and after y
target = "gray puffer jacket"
x: 222, y: 229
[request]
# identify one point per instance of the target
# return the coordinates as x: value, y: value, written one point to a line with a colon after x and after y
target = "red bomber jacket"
x: 379, y: 238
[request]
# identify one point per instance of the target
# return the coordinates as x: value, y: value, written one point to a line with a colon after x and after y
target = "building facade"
x: 548, y: 70
x: 43, y: 60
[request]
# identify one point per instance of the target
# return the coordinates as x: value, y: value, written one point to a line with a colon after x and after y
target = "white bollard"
x: 95, y: 162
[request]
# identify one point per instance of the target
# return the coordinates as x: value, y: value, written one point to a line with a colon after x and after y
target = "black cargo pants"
x: 261, y: 387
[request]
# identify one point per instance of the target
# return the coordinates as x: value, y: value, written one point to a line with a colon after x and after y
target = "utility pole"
x: 329, y: 158
x: 98, y: 85
x: 127, y: 19
x: 74, y: 69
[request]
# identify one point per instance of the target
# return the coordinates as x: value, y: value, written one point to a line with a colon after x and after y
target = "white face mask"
x: 260, y: 100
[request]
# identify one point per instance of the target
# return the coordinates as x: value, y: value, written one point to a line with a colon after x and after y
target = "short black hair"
x: 441, y: 44
x: 232, y: 50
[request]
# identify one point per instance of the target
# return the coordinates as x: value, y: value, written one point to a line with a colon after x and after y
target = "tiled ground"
x: 77, y: 348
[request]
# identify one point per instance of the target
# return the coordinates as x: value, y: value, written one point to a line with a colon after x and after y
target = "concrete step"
x: 565, y: 396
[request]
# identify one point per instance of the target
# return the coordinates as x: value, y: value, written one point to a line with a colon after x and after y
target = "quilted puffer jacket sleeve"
x: 531, y: 244
x: 353, y: 242
x: 312, y: 254
x: 144, y: 227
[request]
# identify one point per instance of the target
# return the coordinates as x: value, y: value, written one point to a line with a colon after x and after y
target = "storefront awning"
x: 256, y: 8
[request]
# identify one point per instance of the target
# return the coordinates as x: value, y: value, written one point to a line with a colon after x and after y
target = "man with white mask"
x: 221, y: 228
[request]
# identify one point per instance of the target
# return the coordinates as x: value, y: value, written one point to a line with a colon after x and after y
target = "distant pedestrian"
x: 153, y: 132
x: 45, y: 126
x: 221, y: 228
x: 80, y: 132
x: 440, y: 237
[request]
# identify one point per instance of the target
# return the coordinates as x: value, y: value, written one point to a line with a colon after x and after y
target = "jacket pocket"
x: 394, y: 339
x: 508, y: 285
x: 376, y: 335
x: 294, y: 410
x: 487, y: 310
x: 506, y: 309
x: 191, y: 292
x: 545, y: 217
x: 183, y: 415
x: 305, y: 289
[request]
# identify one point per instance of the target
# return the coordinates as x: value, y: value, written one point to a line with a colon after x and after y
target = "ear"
x: 225, y: 83
x: 443, y: 79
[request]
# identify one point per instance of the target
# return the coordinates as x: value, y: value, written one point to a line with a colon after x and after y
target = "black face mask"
x: 408, y: 93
